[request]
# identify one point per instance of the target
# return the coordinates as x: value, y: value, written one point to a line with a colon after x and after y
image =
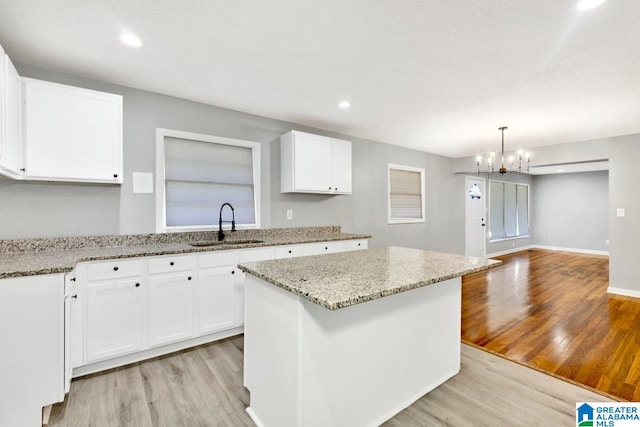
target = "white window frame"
x: 502, y: 239
x: 161, y: 217
x: 392, y: 220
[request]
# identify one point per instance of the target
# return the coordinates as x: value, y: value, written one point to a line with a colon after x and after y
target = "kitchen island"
x: 351, y: 339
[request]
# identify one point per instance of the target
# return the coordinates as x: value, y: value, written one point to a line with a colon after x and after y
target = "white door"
x: 475, y: 217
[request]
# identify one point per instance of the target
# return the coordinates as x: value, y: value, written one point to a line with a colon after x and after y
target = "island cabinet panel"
x: 314, y: 164
x: 32, y: 356
x: 71, y: 133
x: 308, y: 366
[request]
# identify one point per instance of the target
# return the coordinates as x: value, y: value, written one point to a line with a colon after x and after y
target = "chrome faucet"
x: 220, y: 221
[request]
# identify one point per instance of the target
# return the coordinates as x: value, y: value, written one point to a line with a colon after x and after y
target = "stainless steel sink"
x: 206, y: 243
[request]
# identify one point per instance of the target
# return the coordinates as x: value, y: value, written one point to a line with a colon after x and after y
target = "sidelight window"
x: 508, y: 210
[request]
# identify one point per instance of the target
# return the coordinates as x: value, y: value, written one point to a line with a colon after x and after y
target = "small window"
x: 406, y: 194
x: 508, y: 210
x: 196, y: 174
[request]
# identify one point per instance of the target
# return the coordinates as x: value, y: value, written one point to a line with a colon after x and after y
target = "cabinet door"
x: 72, y: 134
x: 217, y: 299
x: 10, y: 145
x: 170, y: 308
x: 312, y: 163
x: 113, y: 315
x: 341, y: 166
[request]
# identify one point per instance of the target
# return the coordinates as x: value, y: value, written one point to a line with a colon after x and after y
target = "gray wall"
x: 572, y: 210
x: 52, y: 210
x: 624, y: 232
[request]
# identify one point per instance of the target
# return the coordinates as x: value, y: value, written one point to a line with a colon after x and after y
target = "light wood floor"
x: 550, y: 310
x: 203, y: 387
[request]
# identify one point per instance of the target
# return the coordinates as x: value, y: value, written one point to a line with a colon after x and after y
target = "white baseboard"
x: 580, y: 251
x: 549, y: 248
x: 510, y: 251
x: 624, y: 292
x: 153, y: 352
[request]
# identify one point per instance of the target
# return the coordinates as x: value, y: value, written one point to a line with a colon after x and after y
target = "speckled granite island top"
x: 336, y: 281
x: 27, y: 257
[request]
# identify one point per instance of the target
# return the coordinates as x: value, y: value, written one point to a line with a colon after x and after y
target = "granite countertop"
x: 336, y: 281
x: 27, y: 257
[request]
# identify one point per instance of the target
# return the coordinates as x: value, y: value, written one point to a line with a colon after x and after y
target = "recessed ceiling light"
x: 589, y: 4
x: 131, y: 40
x: 344, y: 104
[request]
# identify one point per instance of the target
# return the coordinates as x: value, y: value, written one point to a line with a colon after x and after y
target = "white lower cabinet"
x: 113, y: 319
x: 140, y: 305
x: 32, y: 356
x: 217, y: 296
x: 170, y: 292
x: 170, y: 305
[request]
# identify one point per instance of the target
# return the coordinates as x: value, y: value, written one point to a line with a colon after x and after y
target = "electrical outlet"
x: 289, y: 214
x: 606, y: 242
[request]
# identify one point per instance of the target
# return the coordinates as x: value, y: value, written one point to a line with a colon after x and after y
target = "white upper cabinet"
x: 10, y: 107
x: 314, y: 164
x: 71, y: 134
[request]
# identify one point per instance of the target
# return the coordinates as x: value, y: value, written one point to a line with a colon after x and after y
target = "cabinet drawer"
x: 114, y: 269
x: 324, y: 248
x: 355, y: 245
x: 167, y: 264
x: 290, y: 251
x: 252, y: 255
x: 217, y: 259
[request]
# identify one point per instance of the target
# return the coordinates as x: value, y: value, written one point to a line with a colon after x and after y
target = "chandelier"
x: 509, y: 161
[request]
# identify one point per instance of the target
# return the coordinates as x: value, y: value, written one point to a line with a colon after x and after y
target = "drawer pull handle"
x: 189, y: 278
x: 326, y: 248
x: 137, y: 285
x: 74, y: 296
x: 233, y: 272
x: 73, y: 279
x: 171, y: 263
x: 359, y: 244
x: 289, y: 250
x: 115, y: 268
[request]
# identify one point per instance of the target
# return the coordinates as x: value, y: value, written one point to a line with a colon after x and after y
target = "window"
x: 406, y: 194
x: 196, y: 174
x: 508, y: 210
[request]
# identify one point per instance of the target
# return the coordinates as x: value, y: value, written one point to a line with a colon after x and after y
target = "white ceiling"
x: 435, y: 75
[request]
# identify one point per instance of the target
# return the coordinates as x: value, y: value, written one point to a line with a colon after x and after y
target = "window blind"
x: 508, y: 210
x: 201, y: 176
x: 405, y: 198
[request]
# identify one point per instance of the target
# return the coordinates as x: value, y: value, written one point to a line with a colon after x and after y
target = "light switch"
x: 142, y: 182
x: 620, y: 211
